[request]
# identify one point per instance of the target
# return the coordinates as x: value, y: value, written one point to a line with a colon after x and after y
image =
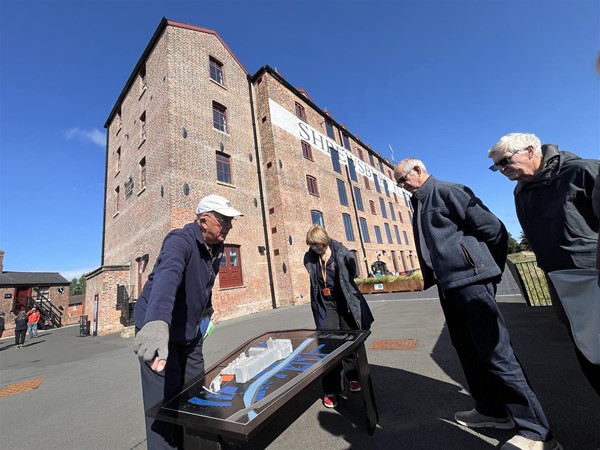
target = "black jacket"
x: 555, y: 211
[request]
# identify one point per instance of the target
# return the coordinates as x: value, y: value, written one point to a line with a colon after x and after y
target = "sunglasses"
x: 504, y: 162
x: 402, y: 179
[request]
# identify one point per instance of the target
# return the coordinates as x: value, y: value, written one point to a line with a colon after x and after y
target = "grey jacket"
x: 346, y: 271
x: 555, y: 211
x: 459, y: 241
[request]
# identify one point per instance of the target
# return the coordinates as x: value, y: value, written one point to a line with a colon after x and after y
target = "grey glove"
x: 152, y: 340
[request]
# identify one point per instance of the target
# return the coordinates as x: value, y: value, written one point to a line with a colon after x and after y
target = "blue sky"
x: 439, y: 80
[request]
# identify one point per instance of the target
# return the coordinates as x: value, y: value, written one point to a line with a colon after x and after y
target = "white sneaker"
x: 522, y: 443
x: 474, y: 419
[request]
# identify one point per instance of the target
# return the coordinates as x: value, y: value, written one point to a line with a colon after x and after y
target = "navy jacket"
x: 346, y: 272
x: 555, y: 211
x: 21, y: 324
x: 179, y: 289
x: 459, y: 241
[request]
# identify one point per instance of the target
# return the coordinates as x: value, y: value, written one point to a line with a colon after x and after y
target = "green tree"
x: 513, y: 245
x: 77, y: 286
x: 524, y: 244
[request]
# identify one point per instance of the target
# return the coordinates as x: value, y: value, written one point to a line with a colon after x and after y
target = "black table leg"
x: 367, y: 389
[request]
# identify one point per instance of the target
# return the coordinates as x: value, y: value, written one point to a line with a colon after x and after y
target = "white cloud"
x: 75, y: 273
x: 95, y: 136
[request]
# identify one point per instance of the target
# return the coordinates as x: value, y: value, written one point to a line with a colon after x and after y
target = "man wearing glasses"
x: 462, y: 248
x: 174, y: 309
x: 553, y: 199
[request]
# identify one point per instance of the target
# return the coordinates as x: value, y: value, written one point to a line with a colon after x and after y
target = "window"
x: 372, y: 207
x: 355, y: 256
x: 335, y: 160
x: 307, y: 150
x: 223, y: 168
x: 400, y: 216
x: 364, y: 229
x: 311, y: 183
x: 342, y: 192
x: 397, y: 233
x: 216, y: 70
x: 358, y: 199
x: 129, y: 187
x: 388, y: 233
x: 367, y: 184
x: 119, y: 120
x: 230, y: 271
x: 410, y: 217
x: 143, y: 84
x: 118, y: 161
x: 219, y: 117
x: 382, y: 207
x: 376, y: 183
x: 405, y: 237
x: 348, y: 227
x: 346, y: 141
x: 378, y: 235
x: 117, y: 199
x: 352, y: 169
x: 371, y: 160
x: 361, y: 154
x: 385, y: 187
x: 300, y: 112
x: 381, y: 166
x: 42, y: 293
x: 142, y: 173
x: 317, y: 218
x: 392, y: 212
x: 329, y: 128
x: 143, y: 125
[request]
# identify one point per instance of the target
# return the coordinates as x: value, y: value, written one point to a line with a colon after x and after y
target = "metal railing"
x: 531, y: 281
x: 50, y: 315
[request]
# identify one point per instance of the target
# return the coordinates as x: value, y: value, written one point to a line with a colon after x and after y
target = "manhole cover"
x: 393, y: 344
x: 23, y: 386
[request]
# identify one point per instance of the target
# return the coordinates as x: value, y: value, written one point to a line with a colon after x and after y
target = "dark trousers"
x: 339, y: 318
x: 20, y: 337
x: 183, y: 363
x: 494, y: 375
x: 589, y: 369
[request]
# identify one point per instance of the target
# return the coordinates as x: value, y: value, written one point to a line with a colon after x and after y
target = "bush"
x: 416, y: 275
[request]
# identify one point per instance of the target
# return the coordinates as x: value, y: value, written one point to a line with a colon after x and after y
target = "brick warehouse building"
x: 192, y: 121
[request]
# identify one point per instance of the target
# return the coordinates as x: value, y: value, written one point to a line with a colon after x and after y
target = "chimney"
x: 1, y: 261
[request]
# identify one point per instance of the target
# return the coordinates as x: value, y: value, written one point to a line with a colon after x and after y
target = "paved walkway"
x: 90, y: 397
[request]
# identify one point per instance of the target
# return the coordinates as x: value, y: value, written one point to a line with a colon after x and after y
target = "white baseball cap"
x: 218, y: 204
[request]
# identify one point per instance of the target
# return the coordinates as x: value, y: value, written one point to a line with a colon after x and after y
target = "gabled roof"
x: 32, y: 279
x: 164, y: 23
x: 76, y: 299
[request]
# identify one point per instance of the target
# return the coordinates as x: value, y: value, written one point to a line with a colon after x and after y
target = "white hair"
x: 408, y: 163
x: 516, y: 142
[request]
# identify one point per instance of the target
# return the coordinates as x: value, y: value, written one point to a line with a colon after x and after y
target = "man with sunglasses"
x: 553, y: 199
x: 174, y: 308
x: 462, y: 248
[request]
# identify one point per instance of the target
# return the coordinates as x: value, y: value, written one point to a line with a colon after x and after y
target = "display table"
x: 234, y: 399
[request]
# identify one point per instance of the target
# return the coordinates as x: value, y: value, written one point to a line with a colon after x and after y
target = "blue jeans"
x: 494, y: 375
x: 32, y: 329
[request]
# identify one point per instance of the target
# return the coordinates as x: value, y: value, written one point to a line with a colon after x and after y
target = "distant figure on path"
x: 2, y: 325
x: 33, y: 317
x: 20, y: 329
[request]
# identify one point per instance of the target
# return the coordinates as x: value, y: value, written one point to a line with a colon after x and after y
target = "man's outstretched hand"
x: 152, y: 344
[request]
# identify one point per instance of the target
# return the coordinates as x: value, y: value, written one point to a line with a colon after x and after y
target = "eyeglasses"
x: 402, y: 179
x: 503, y: 162
x: 226, y: 222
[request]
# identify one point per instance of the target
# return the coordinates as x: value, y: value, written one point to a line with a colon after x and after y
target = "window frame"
x: 347, y: 220
x: 219, y: 112
x: 224, y: 167
x: 342, y: 192
x: 216, y: 66
x: 312, y: 185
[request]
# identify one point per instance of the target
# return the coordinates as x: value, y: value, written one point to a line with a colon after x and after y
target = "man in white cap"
x: 174, y: 306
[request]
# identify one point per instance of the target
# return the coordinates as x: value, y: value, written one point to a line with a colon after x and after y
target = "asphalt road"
x: 90, y: 397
